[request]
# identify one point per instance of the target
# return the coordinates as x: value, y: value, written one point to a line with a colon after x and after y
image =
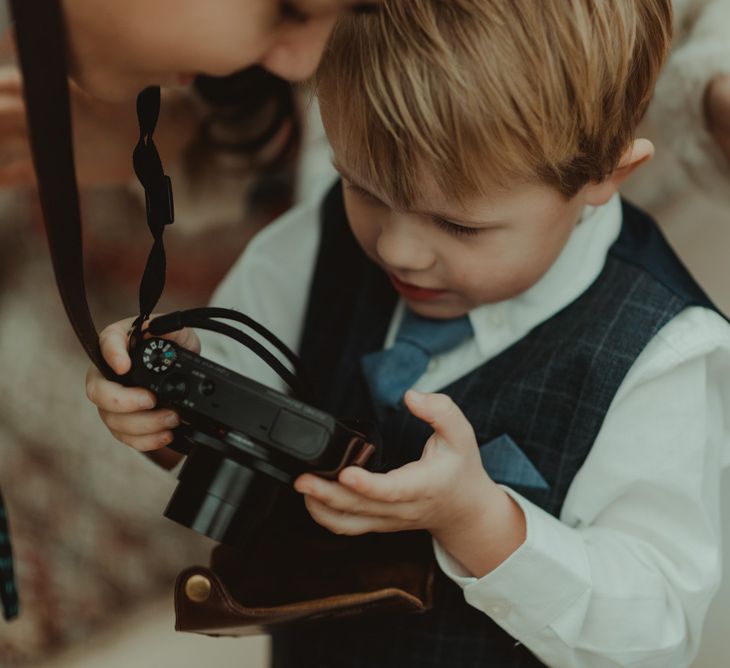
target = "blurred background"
x: 96, y: 560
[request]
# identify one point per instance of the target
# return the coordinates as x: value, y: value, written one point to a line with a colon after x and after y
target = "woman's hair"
x: 486, y: 93
x: 247, y: 114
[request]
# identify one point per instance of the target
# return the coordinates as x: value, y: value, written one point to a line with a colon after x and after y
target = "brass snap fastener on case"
x: 198, y: 588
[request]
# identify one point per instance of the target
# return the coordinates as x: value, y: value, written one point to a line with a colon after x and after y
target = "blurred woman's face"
x: 119, y: 47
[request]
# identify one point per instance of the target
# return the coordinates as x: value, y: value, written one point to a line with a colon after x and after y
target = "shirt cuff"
x: 536, y: 583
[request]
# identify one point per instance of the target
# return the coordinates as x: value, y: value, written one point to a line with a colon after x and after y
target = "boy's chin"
x: 437, y: 308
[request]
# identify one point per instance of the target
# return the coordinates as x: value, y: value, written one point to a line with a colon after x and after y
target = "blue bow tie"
x: 389, y: 373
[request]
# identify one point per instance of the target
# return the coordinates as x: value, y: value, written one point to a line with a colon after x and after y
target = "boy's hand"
x: 447, y: 492
x: 127, y: 411
x: 443, y: 492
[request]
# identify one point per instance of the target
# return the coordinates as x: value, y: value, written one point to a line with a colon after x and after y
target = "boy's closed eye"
x: 452, y: 228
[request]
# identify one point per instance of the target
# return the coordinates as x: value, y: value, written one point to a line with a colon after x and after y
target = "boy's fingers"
x: 114, y: 343
x: 114, y: 398
x: 348, y: 525
x: 140, y: 423
x: 444, y: 416
x: 410, y: 482
x: 145, y: 443
x: 342, y: 499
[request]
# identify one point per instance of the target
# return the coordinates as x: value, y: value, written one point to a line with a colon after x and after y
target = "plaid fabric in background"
x: 8, y: 589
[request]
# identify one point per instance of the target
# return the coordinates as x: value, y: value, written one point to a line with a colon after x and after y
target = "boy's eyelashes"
x: 454, y: 229
x: 448, y: 226
x: 364, y: 194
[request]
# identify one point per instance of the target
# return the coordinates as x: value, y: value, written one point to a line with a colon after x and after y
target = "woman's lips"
x: 413, y: 291
x: 185, y: 79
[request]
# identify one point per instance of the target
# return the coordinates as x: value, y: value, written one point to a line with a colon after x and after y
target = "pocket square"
x: 507, y: 464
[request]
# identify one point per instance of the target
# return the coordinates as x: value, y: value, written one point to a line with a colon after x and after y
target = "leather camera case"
x: 324, y: 576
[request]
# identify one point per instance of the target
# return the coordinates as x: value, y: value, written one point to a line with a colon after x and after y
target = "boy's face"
x: 445, y: 259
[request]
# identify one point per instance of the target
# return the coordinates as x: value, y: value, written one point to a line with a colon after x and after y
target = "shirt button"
x: 497, y: 319
x: 433, y: 365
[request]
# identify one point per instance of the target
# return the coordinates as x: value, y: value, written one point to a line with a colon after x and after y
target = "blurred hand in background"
x: 105, y: 134
x: 717, y: 110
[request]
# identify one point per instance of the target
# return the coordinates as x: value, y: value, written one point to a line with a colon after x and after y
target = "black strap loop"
x: 148, y: 110
x: 158, y: 198
x: 202, y: 318
x: 179, y: 319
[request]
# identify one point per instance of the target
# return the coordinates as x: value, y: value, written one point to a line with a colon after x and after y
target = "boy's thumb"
x: 444, y: 416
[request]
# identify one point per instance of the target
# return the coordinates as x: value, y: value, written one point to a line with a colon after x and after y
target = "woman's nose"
x: 401, y: 245
x: 296, y: 53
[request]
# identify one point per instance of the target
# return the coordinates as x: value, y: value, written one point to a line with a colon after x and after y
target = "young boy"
x: 568, y: 468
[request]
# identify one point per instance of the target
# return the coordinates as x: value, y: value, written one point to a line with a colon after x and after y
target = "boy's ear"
x: 639, y: 152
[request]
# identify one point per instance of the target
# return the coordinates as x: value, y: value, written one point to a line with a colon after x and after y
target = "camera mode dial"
x: 158, y: 355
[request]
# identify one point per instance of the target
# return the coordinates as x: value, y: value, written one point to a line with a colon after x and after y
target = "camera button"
x: 206, y: 387
x: 175, y: 387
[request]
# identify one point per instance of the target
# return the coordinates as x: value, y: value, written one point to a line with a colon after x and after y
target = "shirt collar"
x: 577, y: 267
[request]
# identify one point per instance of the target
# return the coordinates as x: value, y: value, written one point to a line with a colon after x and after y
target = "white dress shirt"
x: 626, y: 575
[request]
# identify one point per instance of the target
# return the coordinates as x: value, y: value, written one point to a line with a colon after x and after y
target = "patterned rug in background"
x: 90, y: 541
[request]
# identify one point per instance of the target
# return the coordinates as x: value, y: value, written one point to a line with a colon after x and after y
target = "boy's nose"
x: 401, y: 246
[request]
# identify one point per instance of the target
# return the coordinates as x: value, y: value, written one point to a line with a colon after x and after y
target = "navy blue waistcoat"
x: 549, y: 392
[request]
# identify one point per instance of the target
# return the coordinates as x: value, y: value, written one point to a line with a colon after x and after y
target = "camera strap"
x: 39, y: 33
x: 158, y: 202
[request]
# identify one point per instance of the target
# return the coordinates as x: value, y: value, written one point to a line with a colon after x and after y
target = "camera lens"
x: 222, y: 498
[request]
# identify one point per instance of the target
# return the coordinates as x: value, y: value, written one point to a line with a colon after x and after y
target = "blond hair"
x: 483, y: 93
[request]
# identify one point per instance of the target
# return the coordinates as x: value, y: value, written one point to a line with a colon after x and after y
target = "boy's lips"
x: 414, y: 292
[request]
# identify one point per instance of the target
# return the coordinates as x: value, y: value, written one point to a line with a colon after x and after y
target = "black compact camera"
x: 244, y: 441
